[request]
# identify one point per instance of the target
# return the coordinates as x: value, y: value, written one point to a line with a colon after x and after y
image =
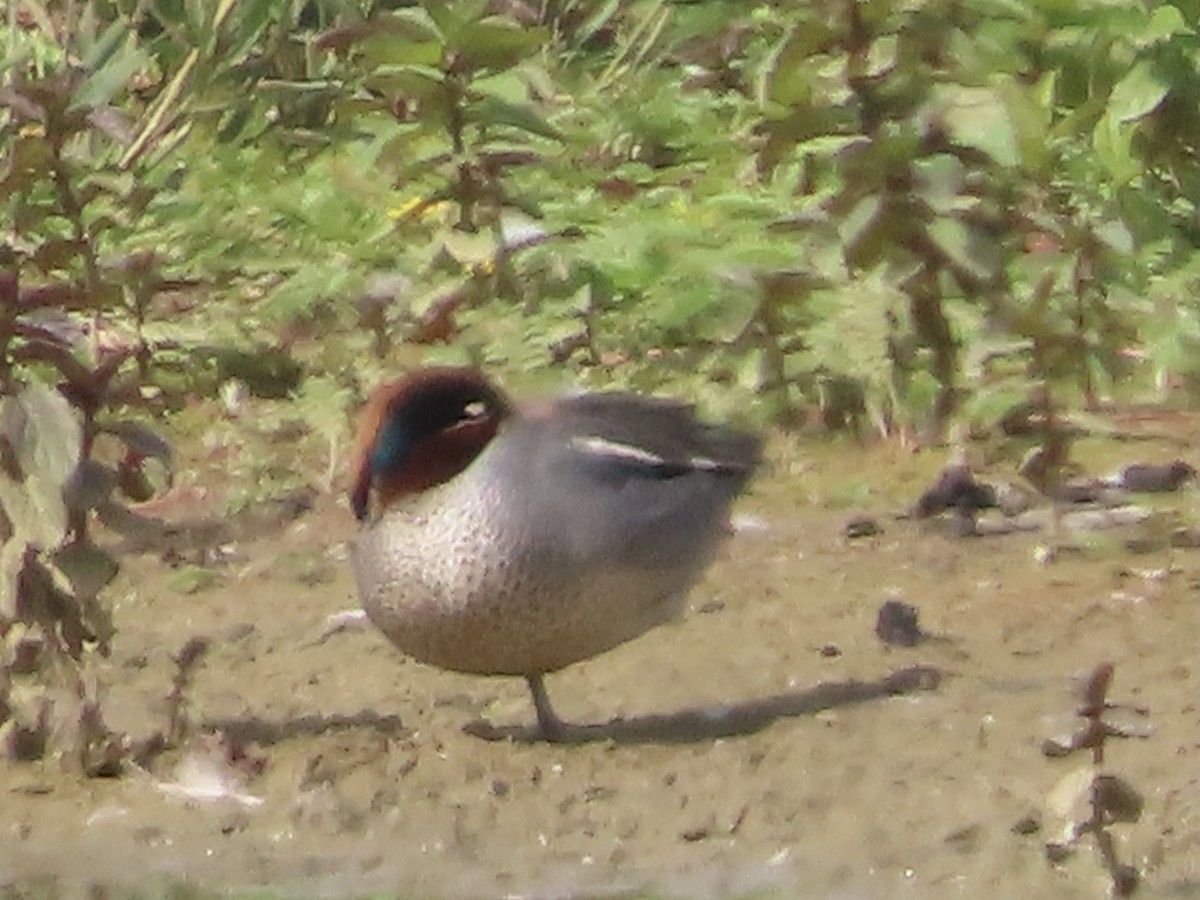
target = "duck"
x: 516, y: 541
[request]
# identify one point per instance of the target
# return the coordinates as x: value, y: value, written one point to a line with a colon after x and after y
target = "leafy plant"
x: 884, y: 217
x: 50, y: 609
x: 85, y: 158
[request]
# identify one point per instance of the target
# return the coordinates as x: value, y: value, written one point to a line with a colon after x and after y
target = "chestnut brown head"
x: 422, y: 431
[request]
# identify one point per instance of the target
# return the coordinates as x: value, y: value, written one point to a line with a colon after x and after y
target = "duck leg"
x: 552, y: 727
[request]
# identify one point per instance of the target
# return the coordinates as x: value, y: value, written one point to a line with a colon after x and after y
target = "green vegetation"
x: 880, y: 216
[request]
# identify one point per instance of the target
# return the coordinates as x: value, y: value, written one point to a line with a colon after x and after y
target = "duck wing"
x: 618, y: 480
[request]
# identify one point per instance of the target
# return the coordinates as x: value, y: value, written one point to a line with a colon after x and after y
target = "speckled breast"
x: 453, y: 582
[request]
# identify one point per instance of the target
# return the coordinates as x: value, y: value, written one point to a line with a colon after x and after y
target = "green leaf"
x: 249, y: 20
x: 141, y: 440
x: 597, y: 20
x: 494, y: 111
x: 1116, y: 235
x: 39, y: 429
x: 964, y: 248
x: 105, y: 83
x: 87, y: 568
x: 940, y: 178
x: 1113, y: 143
x: 90, y: 486
x: 1031, y: 111
x: 469, y: 249
x: 789, y: 74
x: 40, y: 439
x: 979, y: 118
x: 988, y: 405
x: 389, y: 49
x: 882, y: 56
x: 1138, y: 93
x: 860, y: 225
x: 58, y: 254
x: 416, y: 82
x: 323, y: 403
x: 30, y: 159
x: 498, y: 43
x: 683, y: 306
x: 452, y: 18
x: 1166, y: 21
x: 103, y: 48
x: 190, y: 579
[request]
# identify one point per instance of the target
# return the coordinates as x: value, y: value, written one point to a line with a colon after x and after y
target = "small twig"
x: 1110, y: 799
x: 186, y: 661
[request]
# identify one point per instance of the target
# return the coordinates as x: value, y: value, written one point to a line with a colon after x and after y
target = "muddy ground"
x: 764, y: 746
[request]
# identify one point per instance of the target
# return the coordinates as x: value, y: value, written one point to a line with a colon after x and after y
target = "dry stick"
x: 1093, y: 735
x: 186, y: 661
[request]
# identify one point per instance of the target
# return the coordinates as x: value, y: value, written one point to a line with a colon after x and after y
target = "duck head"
x: 421, y: 431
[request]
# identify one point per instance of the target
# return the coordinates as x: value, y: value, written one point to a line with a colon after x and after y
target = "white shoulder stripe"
x: 598, y: 446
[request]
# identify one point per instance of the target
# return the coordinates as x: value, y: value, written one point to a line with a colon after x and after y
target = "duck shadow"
x: 684, y: 727
x: 256, y: 730
x: 727, y: 720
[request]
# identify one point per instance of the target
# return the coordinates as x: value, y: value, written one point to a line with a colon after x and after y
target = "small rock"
x: 145, y: 751
x: 28, y: 656
x: 1143, y: 544
x: 1079, y: 492
x: 137, y: 661
x: 1057, y: 853
x: 966, y: 839
x: 239, y: 632
x: 1118, y: 800
x: 744, y: 523
x: 27, y: 743
x: 1057, y: 748
x: 860, y: 527
x: 1125, y: 880
x: 964, y: 523
x: 897, y: 624
x: 1044, y: 555
x: 955, y: 488
x: 106, y: 758
x: 1014, y: 500
x: 597, y: 792
x: 830, y: 651
x: 234, y: 822
x: 346, y: 620
x: 1145, y: 478
x: 984, y: 734
x: 1185, y: 538
x: 1030, y: 823
x: 148, y: 834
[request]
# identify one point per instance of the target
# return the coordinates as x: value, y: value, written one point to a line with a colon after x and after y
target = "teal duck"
x: 499, y: 541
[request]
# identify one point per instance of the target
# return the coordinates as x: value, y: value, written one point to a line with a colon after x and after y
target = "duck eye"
x: 476, y: 409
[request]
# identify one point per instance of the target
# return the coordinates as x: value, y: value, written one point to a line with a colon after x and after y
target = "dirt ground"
x: 763, y: 746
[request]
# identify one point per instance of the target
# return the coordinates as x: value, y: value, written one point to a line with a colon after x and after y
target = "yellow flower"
x: 418, y: 208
